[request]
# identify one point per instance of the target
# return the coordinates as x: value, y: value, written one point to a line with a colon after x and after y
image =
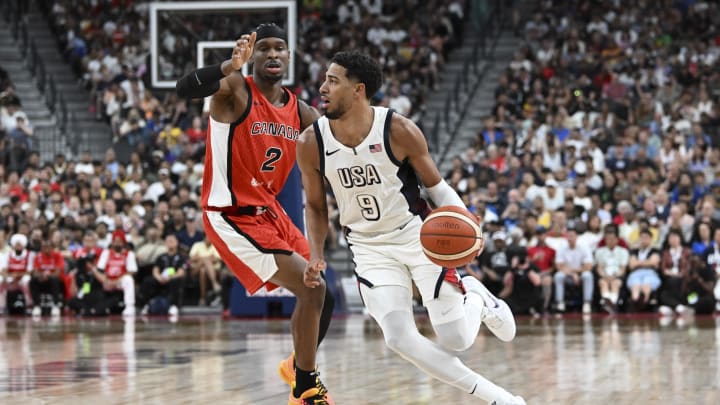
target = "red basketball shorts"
x: 248, y: 243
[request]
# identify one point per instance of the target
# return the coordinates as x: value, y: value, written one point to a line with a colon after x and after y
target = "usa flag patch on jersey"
x: 375, y: 148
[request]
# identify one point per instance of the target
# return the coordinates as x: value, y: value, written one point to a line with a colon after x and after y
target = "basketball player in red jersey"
x: 253, y: 127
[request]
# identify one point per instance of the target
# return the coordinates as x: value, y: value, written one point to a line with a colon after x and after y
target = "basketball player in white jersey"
x: 370, y: 157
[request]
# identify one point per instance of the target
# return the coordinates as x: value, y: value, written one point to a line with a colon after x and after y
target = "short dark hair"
x: 362, y: 68
x: 610, y: 229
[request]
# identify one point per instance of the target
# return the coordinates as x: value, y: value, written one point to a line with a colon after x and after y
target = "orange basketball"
x: 451, y: 237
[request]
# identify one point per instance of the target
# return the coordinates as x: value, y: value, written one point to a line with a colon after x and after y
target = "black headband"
x: 270, y: 31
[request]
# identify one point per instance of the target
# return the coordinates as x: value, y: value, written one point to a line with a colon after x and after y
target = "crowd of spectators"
x: 107, y: 45
x: 595, y: 174
x: 108, y: 235
x: 597, y: 168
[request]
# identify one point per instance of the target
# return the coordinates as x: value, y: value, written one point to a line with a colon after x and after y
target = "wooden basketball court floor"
x: 208, y: 360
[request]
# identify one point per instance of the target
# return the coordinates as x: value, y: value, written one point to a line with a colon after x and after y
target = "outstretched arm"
x: 408, y: 142
x: 316, y: 211
x: 222, y: 79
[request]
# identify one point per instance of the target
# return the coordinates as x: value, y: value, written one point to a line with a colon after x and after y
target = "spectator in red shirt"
x: 14, y: 269
x: 115, y: 268
x: 48, y: 268
x: 543, y: 257
x: 196, y: 133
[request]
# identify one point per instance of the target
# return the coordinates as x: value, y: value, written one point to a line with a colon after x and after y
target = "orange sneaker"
x: 317, y: 395
x: 286, y: 369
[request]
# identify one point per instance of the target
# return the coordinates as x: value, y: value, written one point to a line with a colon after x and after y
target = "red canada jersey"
x: 117, y: 264
x: 247, y: 162
x: 18, y: 263
x: 47, y: 263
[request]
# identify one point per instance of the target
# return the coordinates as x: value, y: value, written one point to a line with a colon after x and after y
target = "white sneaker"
x: 681, y: 309
x: 516, y: 400
x: 37, y: 311
x: 587, y: 308
x: 144, y: 310
x: 173, y: 310
x: 665, y: 310
x: 128, y: 311
x: 55, y: 312
x: 560, y: 306
x: 496, y: 314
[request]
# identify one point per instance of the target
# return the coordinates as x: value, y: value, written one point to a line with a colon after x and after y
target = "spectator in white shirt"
x: 612, y: 261
x: 574, y: 264
x: 399, y: 102
x: 349, y: 12
x: 592, y: 235
x: 85, y: 164
x: 554, y: 195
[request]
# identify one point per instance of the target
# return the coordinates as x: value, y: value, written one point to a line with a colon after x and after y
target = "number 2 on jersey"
x: 369, y: 206
x: 272, y: 155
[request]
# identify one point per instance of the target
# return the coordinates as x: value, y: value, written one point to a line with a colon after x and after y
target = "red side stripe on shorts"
x: 450, y: 276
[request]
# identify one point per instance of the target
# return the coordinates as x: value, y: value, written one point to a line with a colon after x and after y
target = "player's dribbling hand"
x: 243, y: 50
x: 311, y: 278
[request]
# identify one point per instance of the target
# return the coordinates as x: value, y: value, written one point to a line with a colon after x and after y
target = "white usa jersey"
x: 375, y: 192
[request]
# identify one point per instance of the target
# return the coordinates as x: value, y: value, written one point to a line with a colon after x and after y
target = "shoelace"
x: 322, y: 391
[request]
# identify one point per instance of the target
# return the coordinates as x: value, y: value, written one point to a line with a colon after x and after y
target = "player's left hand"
x: 311, y: 278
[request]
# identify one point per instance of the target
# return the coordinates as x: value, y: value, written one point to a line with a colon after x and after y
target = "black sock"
x: 326, y: 315
x: 304, y: 380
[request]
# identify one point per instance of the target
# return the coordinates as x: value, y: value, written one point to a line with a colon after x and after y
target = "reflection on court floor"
x: 640, y: 360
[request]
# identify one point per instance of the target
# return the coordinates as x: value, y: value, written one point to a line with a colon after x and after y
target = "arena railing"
x: 51, y: 94
x: 468, y: 81
x: 12, y: 17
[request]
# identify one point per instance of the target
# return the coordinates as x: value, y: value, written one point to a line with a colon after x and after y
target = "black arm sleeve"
x: 200, y: 83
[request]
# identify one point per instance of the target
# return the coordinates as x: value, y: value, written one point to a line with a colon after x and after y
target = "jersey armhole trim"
x: 386, y: 138
x: 231, y: 135
x: 321, y: 146
x: 247, y: 107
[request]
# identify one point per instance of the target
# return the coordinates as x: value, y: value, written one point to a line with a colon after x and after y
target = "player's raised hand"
x: 243, y: 50
x: 312, y: 272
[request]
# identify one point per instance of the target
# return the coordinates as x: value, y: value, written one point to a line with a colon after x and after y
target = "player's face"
x: 336, y: 92
x: 271, y: 57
